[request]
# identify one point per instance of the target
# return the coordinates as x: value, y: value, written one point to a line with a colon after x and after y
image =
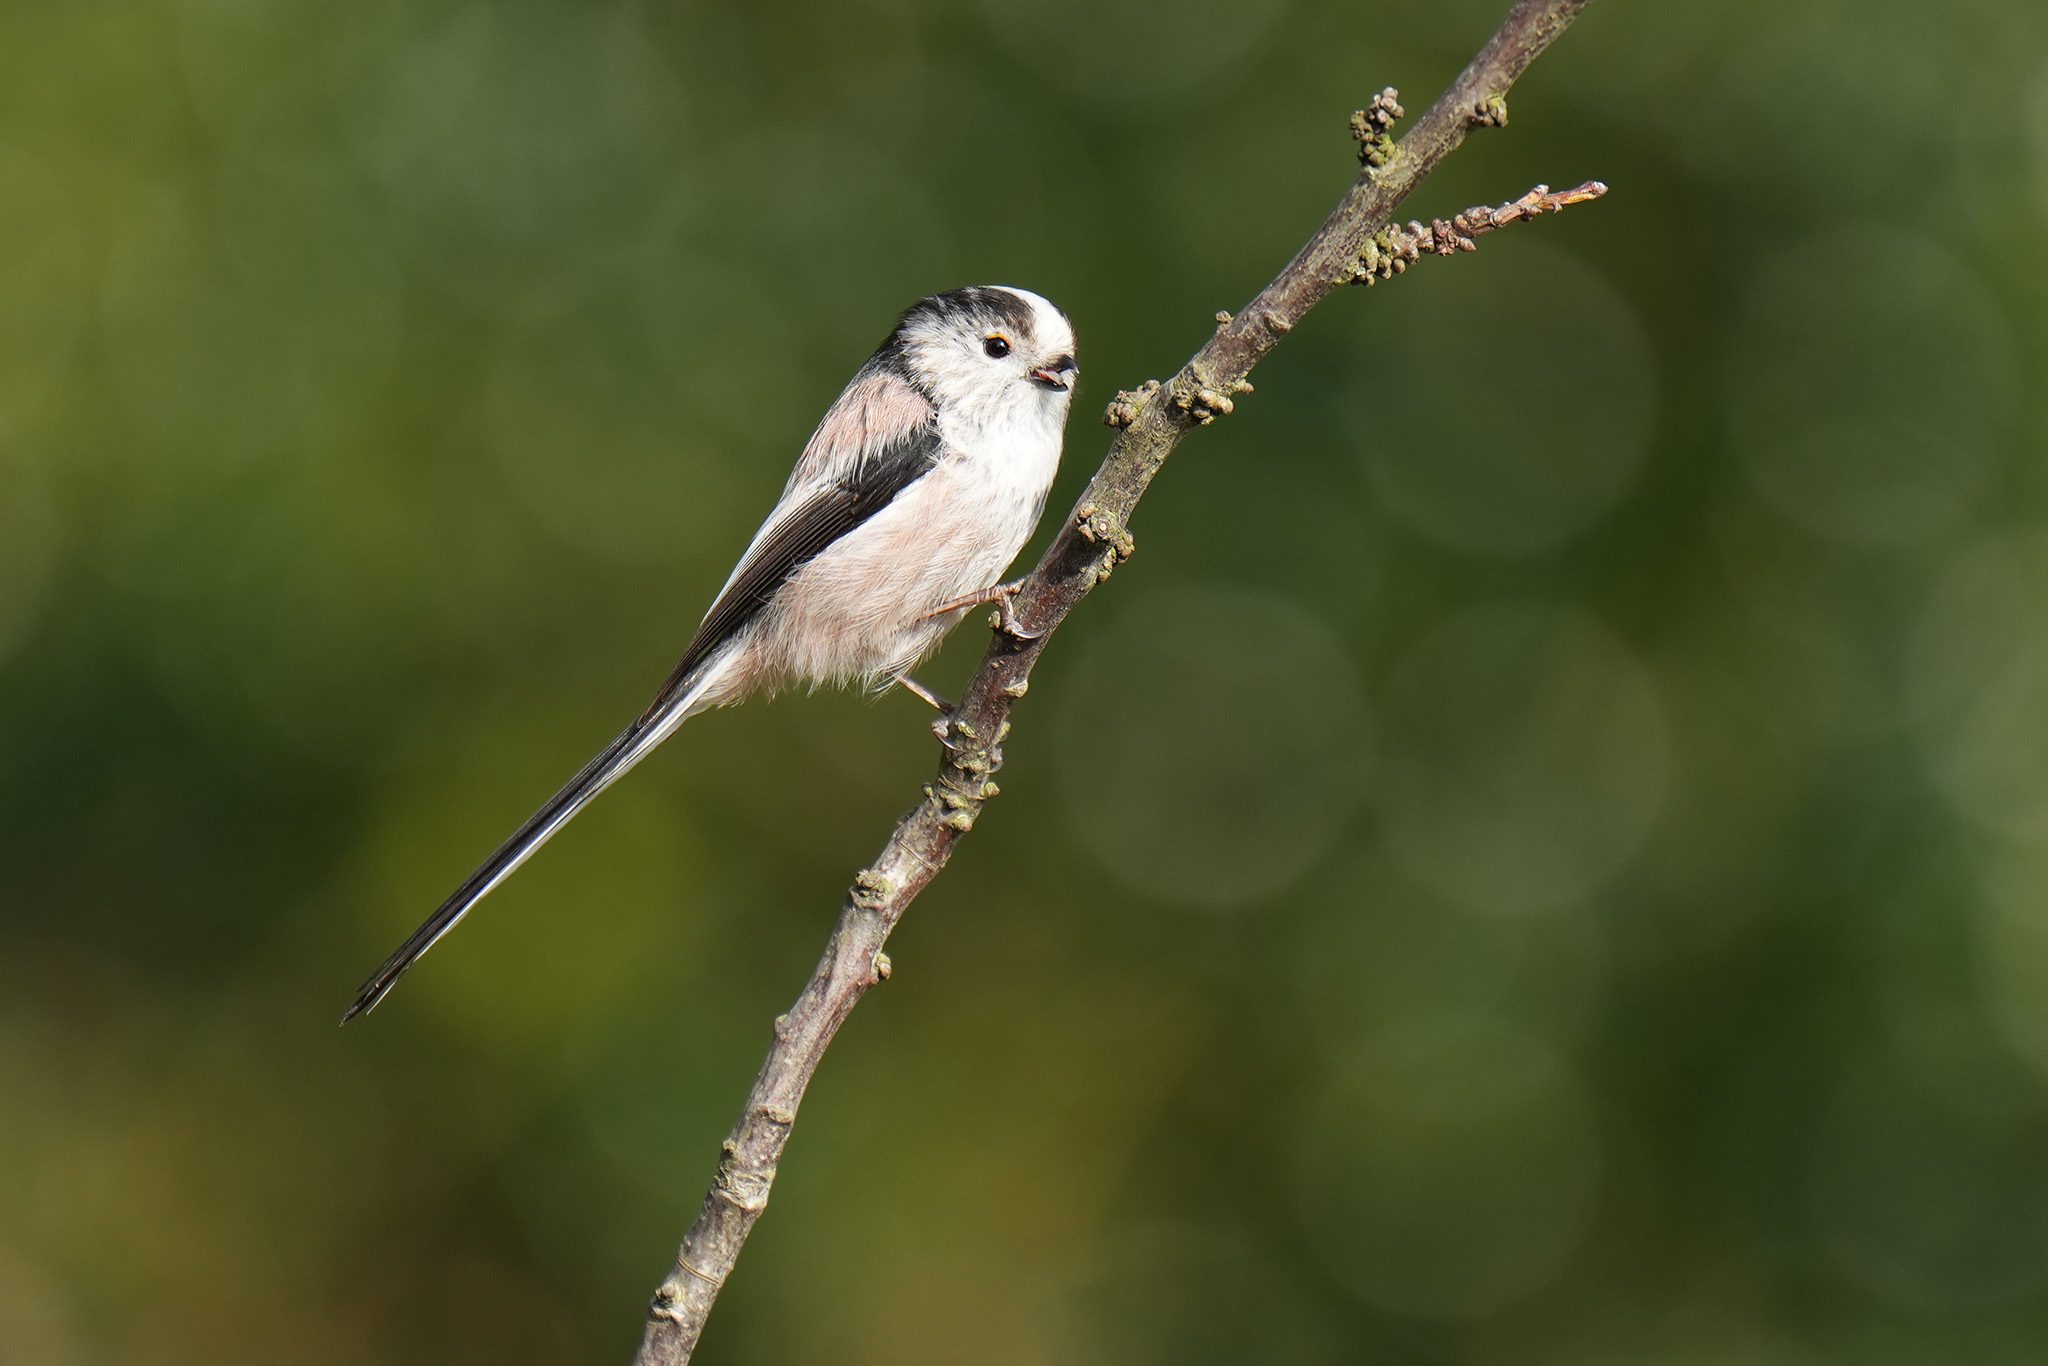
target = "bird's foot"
x: 1004, y: 597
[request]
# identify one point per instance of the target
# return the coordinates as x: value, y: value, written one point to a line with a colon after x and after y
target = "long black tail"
x: 632, y: 745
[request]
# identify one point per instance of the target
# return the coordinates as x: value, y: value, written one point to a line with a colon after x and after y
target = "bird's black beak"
x: 1058, y: 373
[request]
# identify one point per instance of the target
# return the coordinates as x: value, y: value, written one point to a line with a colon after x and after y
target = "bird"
x: 921, y: 483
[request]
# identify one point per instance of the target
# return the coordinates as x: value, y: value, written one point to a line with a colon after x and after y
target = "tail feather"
x: 612, y: 763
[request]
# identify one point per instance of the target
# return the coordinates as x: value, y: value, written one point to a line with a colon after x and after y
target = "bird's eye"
x: 996, y: 346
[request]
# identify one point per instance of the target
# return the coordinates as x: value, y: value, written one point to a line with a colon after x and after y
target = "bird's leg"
x: 919, y: 690
x: 1002, y: 592
x: 1004, y: 596
x: 938, y: 703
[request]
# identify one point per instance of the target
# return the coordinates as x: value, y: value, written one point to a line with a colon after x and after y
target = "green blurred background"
x: 1541, y: 858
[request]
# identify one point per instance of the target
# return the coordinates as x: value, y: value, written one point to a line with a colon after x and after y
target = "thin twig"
x: 1150, y: 421
x: 1392, y: 250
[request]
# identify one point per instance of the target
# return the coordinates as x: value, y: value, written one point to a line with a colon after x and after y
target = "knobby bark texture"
x: 1355, y: 244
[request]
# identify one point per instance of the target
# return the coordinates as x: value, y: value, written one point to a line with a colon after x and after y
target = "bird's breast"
x: 862, y: 608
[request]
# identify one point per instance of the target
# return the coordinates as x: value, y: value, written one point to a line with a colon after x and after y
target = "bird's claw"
x: 1004, y: 598
x: 1006, y: 619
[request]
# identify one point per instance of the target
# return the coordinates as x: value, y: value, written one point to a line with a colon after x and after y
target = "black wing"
x: 827, y: 514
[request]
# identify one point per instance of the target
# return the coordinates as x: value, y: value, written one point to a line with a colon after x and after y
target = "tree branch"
x: 1353, y: 244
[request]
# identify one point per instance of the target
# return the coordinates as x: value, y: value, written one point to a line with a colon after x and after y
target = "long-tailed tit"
x: 918, y: 488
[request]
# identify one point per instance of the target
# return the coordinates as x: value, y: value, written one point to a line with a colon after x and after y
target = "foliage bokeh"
x: 1540, y: 859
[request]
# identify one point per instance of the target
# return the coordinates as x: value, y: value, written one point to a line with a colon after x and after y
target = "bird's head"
x: 988, y: 352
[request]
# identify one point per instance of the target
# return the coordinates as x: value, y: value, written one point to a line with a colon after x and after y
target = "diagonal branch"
x: 1353, y: 244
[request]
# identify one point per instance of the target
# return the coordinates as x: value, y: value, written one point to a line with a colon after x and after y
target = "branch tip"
x: 1393, y: 249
